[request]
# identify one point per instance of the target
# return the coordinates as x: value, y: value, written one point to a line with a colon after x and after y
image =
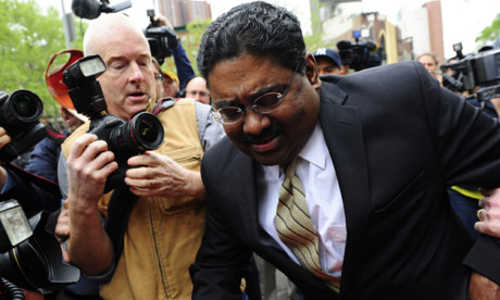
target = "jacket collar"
x: 343, y: 131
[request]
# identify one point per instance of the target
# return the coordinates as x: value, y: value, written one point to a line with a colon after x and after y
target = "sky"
x: 464, y: 19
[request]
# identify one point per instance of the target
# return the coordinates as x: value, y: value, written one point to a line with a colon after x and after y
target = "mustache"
x: 266, y: 135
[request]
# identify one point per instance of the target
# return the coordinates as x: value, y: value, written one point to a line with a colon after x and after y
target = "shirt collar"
x: 315, y: 150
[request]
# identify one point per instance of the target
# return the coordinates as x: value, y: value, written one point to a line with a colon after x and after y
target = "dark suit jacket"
x: 397, y: 140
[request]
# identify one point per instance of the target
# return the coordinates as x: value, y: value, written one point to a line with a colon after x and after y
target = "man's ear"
x: 312, y: 71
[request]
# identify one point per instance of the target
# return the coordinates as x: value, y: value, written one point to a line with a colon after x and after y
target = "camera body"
x: 359, y: 55
x: 125, y: 138
x: 474, y: 70
x: 161, y: 39
x: 19, y: 116
x: 30, y: 255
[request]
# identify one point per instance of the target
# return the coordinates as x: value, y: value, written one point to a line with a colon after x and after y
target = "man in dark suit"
x: 365, y: 214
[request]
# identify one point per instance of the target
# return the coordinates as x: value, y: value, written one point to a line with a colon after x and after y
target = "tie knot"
x: 290, y: 169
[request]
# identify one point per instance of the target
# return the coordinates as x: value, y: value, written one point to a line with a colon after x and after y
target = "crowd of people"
x: 280, y: 176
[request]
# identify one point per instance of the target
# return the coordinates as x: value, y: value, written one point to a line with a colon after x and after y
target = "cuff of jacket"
x: 103, y: 277
x: 484, y: 256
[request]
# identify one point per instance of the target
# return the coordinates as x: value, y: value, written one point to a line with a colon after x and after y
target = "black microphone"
x: 91, y: 9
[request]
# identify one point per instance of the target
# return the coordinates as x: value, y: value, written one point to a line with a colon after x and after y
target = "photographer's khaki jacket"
x: 163, y: 234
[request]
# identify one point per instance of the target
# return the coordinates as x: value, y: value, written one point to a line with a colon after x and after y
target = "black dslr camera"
x: 161, y: 39
x: 360, y: 54
x: 124, y: 138
x: 19, y: 116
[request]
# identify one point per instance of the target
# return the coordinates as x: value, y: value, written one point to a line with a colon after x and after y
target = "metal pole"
x: 66, y: 26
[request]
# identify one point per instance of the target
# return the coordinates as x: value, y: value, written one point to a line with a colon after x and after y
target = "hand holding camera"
x: 161, y: 36
x: 19, y: 118
x: 124, y: 138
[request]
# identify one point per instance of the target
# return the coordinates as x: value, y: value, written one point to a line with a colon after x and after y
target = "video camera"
x: 161, y: 39
x: 19, y: 116
x: 472, y: 71
x: 30, y: 256
x: 124, y: 138
x: 91, y: 9
x: 360, y: 54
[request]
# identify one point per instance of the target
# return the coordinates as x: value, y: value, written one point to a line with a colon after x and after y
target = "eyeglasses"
x: 167, y: 79
x: 228, y: 114
x: 158, y: 76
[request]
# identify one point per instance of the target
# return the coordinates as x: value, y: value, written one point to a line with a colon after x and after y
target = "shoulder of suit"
x: 221, y: 151
x: 386, y: 75
x: 401, y: 68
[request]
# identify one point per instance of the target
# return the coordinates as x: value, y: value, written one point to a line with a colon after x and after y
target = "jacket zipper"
x: 162, y: 274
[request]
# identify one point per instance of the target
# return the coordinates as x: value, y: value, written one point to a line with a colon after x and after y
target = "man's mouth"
x: 266, y: 141
x: 266, y: 146
x: 137, y: 96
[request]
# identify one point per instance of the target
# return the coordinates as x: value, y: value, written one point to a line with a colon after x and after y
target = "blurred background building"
x: 414, y: 30
x: 182, y: 12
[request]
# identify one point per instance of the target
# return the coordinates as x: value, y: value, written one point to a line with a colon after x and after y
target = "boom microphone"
x: 91, y: 9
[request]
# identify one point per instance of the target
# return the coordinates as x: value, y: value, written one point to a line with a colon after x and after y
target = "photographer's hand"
x: 153, y: 174
x: 163, y: 21
x: 62, y: 231
x: 89, y: 164
x: 481, y: 288
x: 4, y: 137
x: 489, y: 214
x: 4, y: 140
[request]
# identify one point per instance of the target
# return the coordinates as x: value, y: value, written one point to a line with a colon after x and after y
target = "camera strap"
x: 162, y: 105
x: 57, y: 136
x: 44, y: 183
x: 119, y: 208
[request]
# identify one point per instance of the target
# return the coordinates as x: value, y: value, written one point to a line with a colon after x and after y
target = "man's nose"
x: 136, y: 73
x: 254, y: 123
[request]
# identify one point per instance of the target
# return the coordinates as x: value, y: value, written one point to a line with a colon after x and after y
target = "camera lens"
x: 147, y: 131
x: 23, y: 106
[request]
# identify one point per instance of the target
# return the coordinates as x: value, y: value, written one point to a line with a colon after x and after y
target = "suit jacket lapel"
x: 343, y: 133
x: 248, y: 202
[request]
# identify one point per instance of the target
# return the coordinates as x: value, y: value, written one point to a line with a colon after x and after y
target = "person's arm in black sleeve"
x: 468, y: 144
x: 182, y: 63
x: 32, y: 196
x: 185, y: 71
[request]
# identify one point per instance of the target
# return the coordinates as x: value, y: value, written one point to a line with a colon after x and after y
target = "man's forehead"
x: 239, y: 67
x: 196, y: 83
x: 244, y: 76
x: 120, y: 39
x: 110, y: 51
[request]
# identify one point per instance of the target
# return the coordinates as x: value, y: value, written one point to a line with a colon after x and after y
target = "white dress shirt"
x: 324, y: 201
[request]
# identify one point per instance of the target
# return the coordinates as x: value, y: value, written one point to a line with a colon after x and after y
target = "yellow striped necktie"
x: 295, y: 228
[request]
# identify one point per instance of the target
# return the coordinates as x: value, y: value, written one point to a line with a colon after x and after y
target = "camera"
x: 124, y: 138
x: 359, y: 55
x: 30, y: 256
x: 471, y: 71
x: 161, y: 39
x: 91, y: 9
x: 19, y: 116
